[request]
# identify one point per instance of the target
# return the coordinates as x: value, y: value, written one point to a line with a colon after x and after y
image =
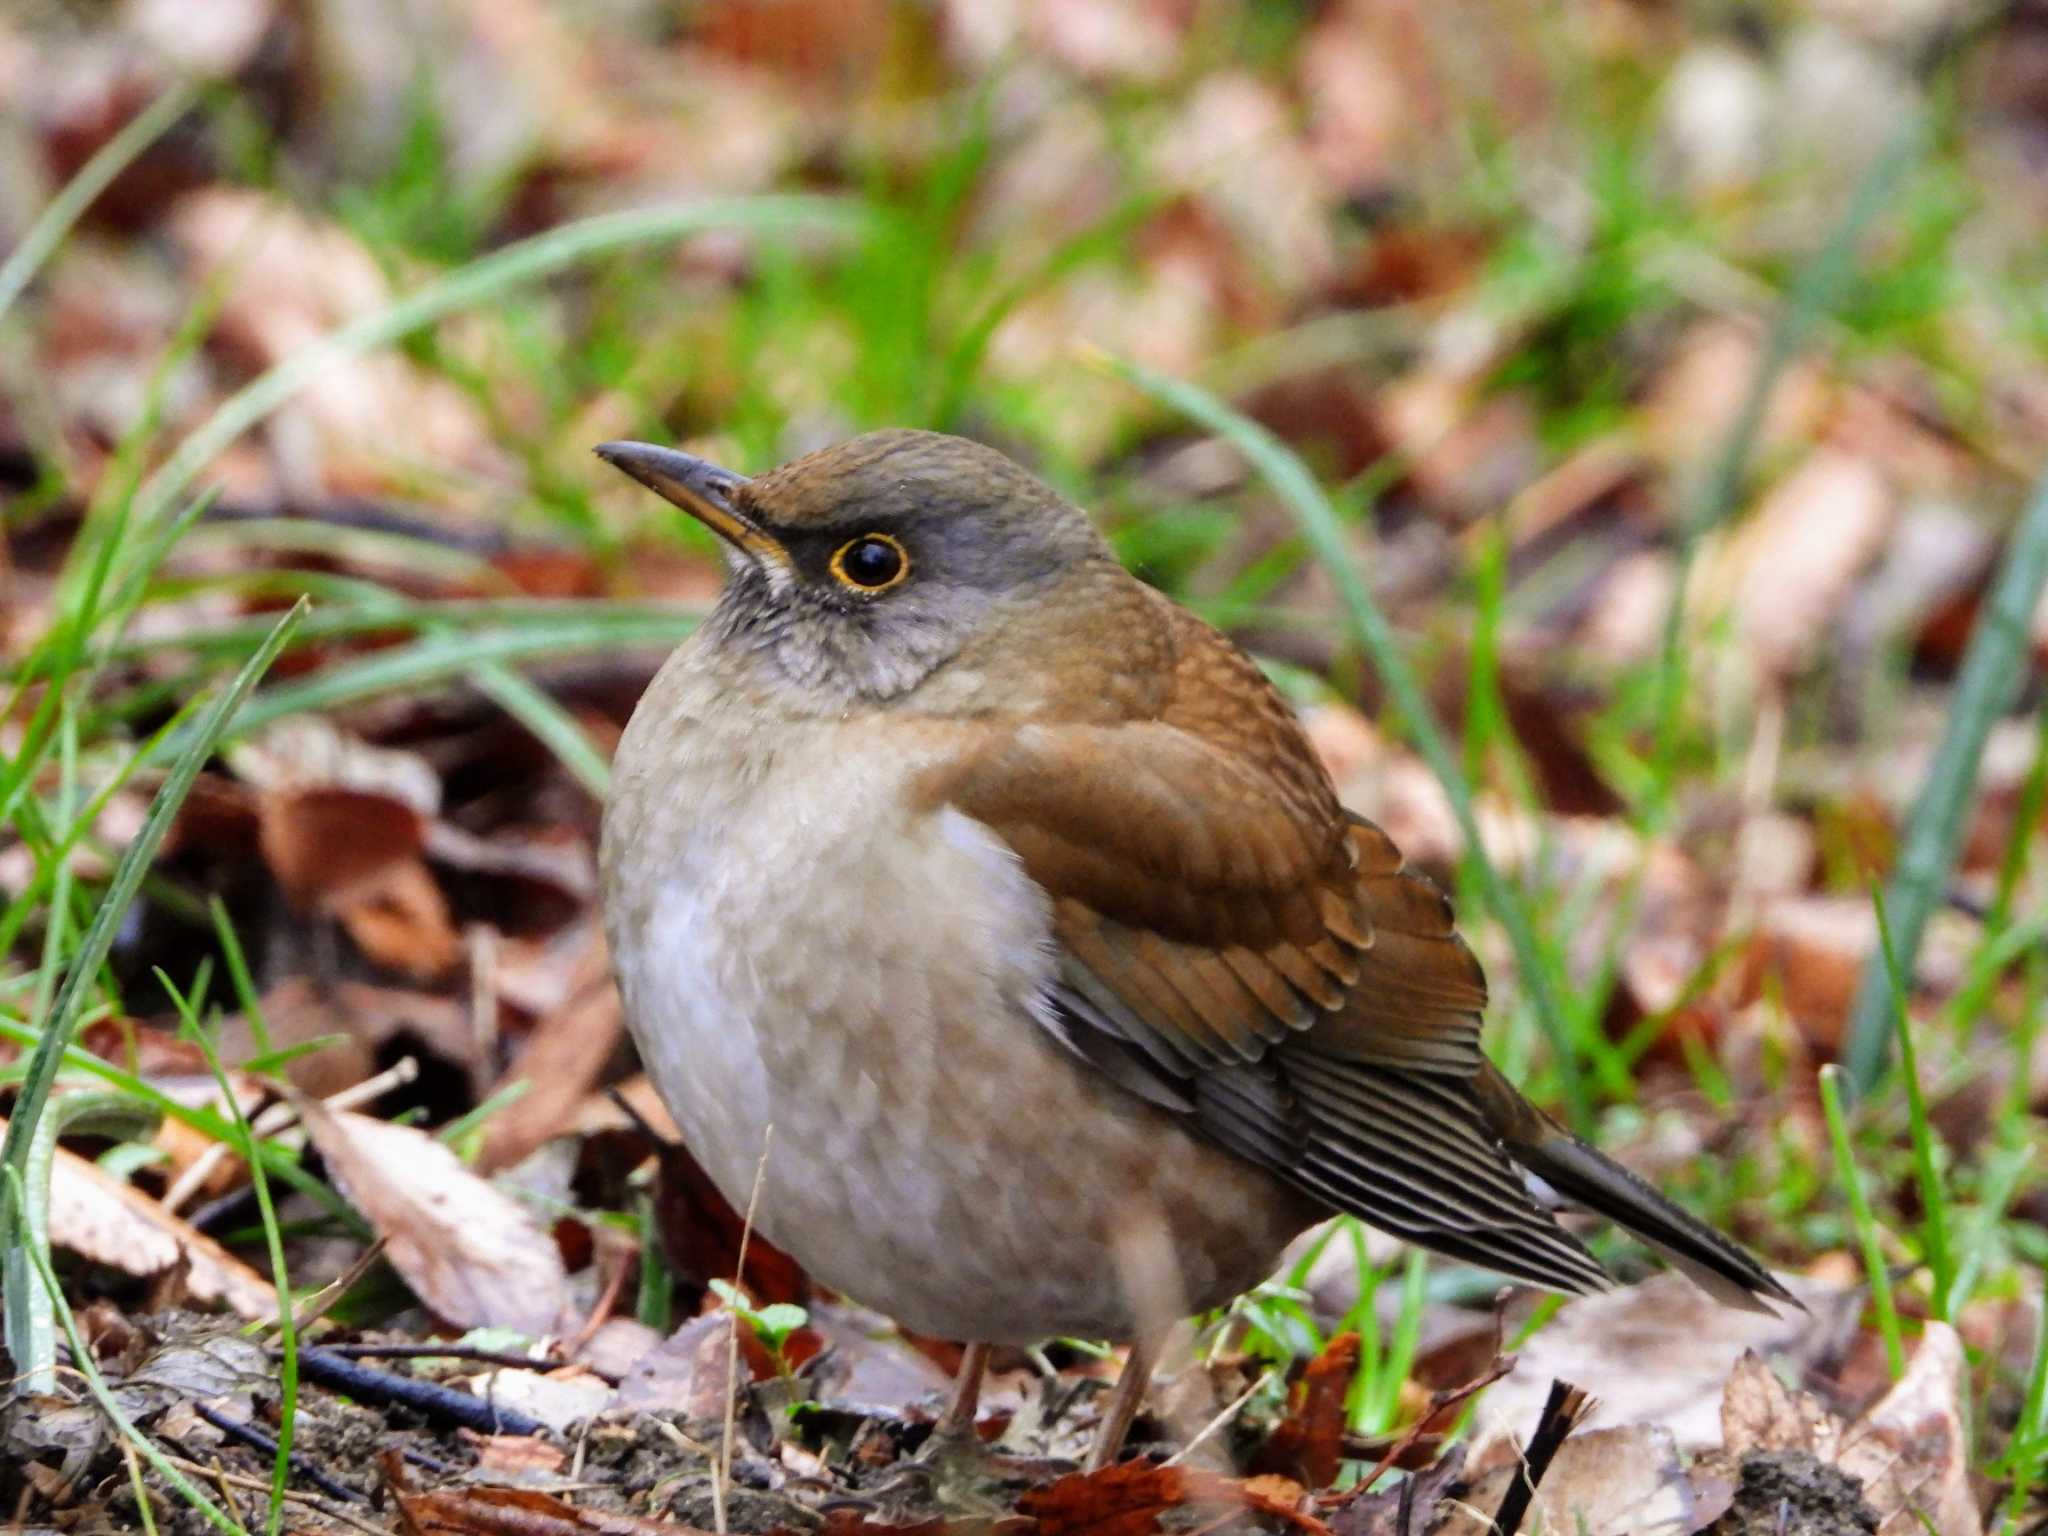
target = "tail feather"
x: 1587, y: 1178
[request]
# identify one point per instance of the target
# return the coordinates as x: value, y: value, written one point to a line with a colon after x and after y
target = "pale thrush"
x: 1012, y: 896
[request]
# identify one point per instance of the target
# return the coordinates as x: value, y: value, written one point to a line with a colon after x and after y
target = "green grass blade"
x: 2026, y: 816
x: 244, y: 1143
x: 468, y: 286
x: 206, y: 1121
x: 1934, y: 1237
x: 239, y: 978
x: 1993, y: 668
x: 1997, y: 1186
x: 79, y: 193
x: 1866, y: 1223
x: 637, y: 623
x: 59, y: 1024
x: 82, y: 1358
x: 1816, y: 290
x: 444, y: 657
x: 1290, y: 479
x: 552, y: 725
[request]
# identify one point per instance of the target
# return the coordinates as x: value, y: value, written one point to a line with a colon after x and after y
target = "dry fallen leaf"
x: 560, y: 1063
x: 471, y: 1253
x: 517, y: 1512
x: 94, y: 1214
x: 1788, y: 571
x: 1760, y: 1413
x: 1694, y: 399
x: 1807, y: 952
x: 1908, y: 1453
x: 1694, y: 1340
x: 400, y: 920
x: 1127, y: 1500
x: 1911, y: 1450
x: 294, y: 280
x: 1307, y: 1443
x: 693, y: 1372
x: 333, y: 811
x: 1602, y: 1482
x: 558, y: 1398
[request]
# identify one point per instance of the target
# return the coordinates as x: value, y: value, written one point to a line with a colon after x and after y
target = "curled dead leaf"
x: 94, y: 1214
x: 471, y: 1253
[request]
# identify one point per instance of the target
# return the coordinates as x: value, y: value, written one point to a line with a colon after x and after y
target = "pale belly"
x: 816, y: 976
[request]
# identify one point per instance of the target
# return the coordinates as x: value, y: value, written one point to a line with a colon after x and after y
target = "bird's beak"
x: 701, y: 489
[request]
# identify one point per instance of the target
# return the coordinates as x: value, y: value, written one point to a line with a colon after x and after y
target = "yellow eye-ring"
x: 874, y: 562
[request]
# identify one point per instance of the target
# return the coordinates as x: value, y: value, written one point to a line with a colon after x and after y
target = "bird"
x: 982, y: 916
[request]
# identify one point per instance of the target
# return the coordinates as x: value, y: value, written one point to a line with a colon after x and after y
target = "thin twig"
x: 276, y: 1118
x: 317, y: 1305
x: 1230, y: 1411
x: 263, y: 1444
x: 732, y: 1341
x: 1561, y: 1413
x: 292, y: 1495
x: 1439, y: 1404
x: 142, y: 1503
x: 428, y: 1397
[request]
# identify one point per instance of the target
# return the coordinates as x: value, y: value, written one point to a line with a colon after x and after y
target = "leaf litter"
x: 410, y: 876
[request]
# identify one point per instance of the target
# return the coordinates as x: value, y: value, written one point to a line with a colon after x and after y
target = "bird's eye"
x: 874, y: 562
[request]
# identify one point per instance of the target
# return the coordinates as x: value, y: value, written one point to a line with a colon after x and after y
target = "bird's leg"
x: 957, y: 1422
x: 1125, y: 1400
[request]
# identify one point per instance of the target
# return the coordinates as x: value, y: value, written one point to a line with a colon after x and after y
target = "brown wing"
x: 1235, y: 947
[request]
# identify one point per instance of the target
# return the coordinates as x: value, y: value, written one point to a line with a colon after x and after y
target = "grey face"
x: 869, y: 607
x: 859, y: 571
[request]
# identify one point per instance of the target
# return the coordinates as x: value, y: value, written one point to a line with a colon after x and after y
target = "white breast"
x: 798, y: 947
x: 796, y: 944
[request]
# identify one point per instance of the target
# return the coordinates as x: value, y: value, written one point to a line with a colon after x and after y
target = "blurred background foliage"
x: 1675, y: 372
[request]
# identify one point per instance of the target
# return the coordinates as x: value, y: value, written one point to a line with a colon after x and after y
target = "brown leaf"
x: 869, y: 1365
x: 1128, y: 1499
x: 97, y: 1215
x: 561, y: 1062
x: 519, y: 1512
x: 1603, y: 1482
x: 701, y: 1232
x: 693, y: 1371
x: 1911, y: 1451
x: 296, y: 279
x: 1694, y: 400
x: 1788, y: 571
x: 472, y: 1254
x: 342, y: 824
x: 1808, y: 951
x: 1307, y: 1444
x: 1760, y: 1413
x: 400, y: 920
x: 1603, y: 1341
x: 326, y: 840
x: 515, y: 1453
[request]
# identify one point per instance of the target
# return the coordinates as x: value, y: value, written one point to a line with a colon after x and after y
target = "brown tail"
x: 1595, y: 1182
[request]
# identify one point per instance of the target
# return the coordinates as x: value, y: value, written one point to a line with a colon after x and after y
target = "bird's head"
x: 858, y: 571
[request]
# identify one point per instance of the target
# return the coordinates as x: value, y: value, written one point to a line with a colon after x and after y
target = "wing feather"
x: 1236, y: 948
